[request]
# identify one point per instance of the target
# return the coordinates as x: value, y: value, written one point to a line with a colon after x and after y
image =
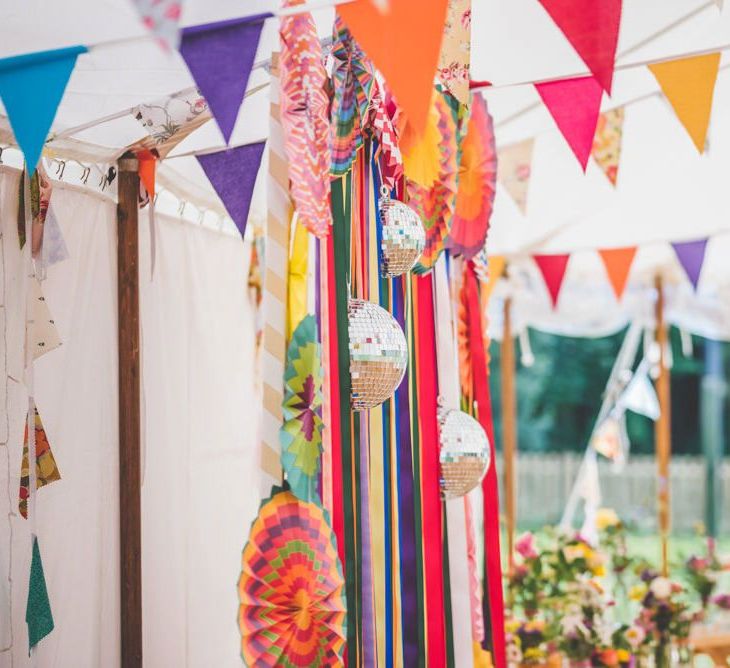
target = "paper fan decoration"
x: 382, y: 127
x: 477, y: 184
x: 435, y: 205
x: 291, y: 590
x: 301, y: 433
x: 305, y: 119
x: 353, y: 77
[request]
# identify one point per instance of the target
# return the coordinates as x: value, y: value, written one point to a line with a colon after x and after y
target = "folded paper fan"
x: 477, y: 184
x: 353, y: 76
x: 301, y: 433
x: 292, y: 594
x: 305, y: 119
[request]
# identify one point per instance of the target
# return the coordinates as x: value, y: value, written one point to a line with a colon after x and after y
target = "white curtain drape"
x: 200, y: 469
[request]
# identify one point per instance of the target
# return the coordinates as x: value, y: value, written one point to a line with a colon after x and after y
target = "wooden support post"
x: 663, y: 430
x: 130, y: 516
x: 509, y: 427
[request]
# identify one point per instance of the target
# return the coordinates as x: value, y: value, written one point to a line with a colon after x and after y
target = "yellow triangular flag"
x: 689, y: 84
x: 495, y: 271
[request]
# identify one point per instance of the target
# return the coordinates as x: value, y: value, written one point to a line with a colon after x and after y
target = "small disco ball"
x: 403, y: 236
x: 465, y: 454
x: 378, y: 354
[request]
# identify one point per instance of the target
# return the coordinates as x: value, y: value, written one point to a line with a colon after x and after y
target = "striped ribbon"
x: 274, y: 303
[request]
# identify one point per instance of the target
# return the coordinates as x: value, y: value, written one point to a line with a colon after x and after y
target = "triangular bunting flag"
x: 640, y: 397
x: 552, y: 268
x: 46, y: 470
x: 592, y: 28
x: 38, y: 615
x: 618, y: 264
x: 220, y: 56
x: 233, y: 175
x: 607, y: 142
x: 691, y: 255
x: 31, y: 88
x: 413, y: 30
x: 514, y: 166
x: 574, y: 104
x: 161, y: 17
x: 454, y: 61
x: 689, y: 85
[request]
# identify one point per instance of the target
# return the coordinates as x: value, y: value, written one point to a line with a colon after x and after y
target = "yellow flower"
x: 511, y: 625
x: 598, y: 571
x: 637, y: 592
x: 606, y: 517
x: 623, y: 655
x: 534, y: 653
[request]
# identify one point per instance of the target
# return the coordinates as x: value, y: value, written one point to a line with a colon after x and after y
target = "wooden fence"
x: 544, y: 482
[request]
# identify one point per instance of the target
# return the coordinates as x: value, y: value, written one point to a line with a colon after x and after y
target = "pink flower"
x: 525, y: 546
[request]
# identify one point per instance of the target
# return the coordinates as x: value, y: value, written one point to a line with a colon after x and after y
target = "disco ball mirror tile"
x: 403, y: 237
x: 464, y: 456
x: 378, y: 354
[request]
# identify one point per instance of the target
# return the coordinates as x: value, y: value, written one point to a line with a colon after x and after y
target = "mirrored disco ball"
x: 403, y: 237
x: 465, y: 454
x: 378, y: 354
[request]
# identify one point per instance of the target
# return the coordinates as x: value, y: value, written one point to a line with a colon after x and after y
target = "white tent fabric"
x: 200, y: 485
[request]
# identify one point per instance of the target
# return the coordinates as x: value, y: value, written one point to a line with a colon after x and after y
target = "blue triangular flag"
x: 38, y: 613
x: 233, y: 175
x: 220, y: 56
x: 31, y: 88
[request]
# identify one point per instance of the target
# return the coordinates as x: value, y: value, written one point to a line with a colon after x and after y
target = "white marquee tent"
x: 200, y: 488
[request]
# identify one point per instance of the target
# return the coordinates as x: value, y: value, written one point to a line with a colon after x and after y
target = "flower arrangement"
x: 702, y: 574
x: 722, y: 601
x: 527, y: 642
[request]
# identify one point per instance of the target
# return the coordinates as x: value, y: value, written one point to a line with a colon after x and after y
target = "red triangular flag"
x: 592, y: 28
x: 552, y: 268
x: 574, y: 104
x: 618, y: 264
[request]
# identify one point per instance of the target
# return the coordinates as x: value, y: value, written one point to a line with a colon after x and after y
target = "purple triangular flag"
x: 233, y: 175
x: 220, y: 56
x: 691, y: 255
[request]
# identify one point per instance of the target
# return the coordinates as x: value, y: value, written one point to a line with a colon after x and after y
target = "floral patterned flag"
x: 607, y: 142
x: 305, y: 119
x: 514, y: 167
x: 161, y: 17
x: 301, y: 433
x: 454, y: 60
x: 46, y: 470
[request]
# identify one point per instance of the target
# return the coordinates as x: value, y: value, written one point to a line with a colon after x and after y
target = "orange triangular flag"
x: 618, y: 264
x: 689, y: 84
x: 495, y: 271
x: 404, y: 43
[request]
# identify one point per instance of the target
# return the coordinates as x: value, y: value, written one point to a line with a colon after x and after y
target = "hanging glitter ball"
x: 465, y: 454
x: 403, y: 236
x: 378, y: 354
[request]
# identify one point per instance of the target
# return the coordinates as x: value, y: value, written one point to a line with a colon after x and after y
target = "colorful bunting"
x: 455, y: 58
x: 31, y: 88
x: 477, y: 184
x: 689, y: 85
x: 301, y: 433
x: 606, y: 149
x: 514, y: 168
x: 38, y: 615
x: 220, y: 56
x: 618, y: 264
x: 691, y: 255
x: 233, y: 175
x: 574, y: 105
x: 305, y: 119
x: 41, y: 333
x: 552, y: 268
x: 353, y: 76
x: 46, y: 470
x: 592, y: 28
x: 388, y: 153
x: 413, y: 30
x: 161, y: 17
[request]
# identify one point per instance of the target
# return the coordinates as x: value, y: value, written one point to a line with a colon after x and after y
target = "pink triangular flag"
x: 552, y: 268
x: 574, y: 104
x: 591, y: 26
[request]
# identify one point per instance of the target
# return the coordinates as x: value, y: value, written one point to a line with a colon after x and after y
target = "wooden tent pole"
x: 662, y: 429
x: 509, y: 427
x: 130, y: 516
